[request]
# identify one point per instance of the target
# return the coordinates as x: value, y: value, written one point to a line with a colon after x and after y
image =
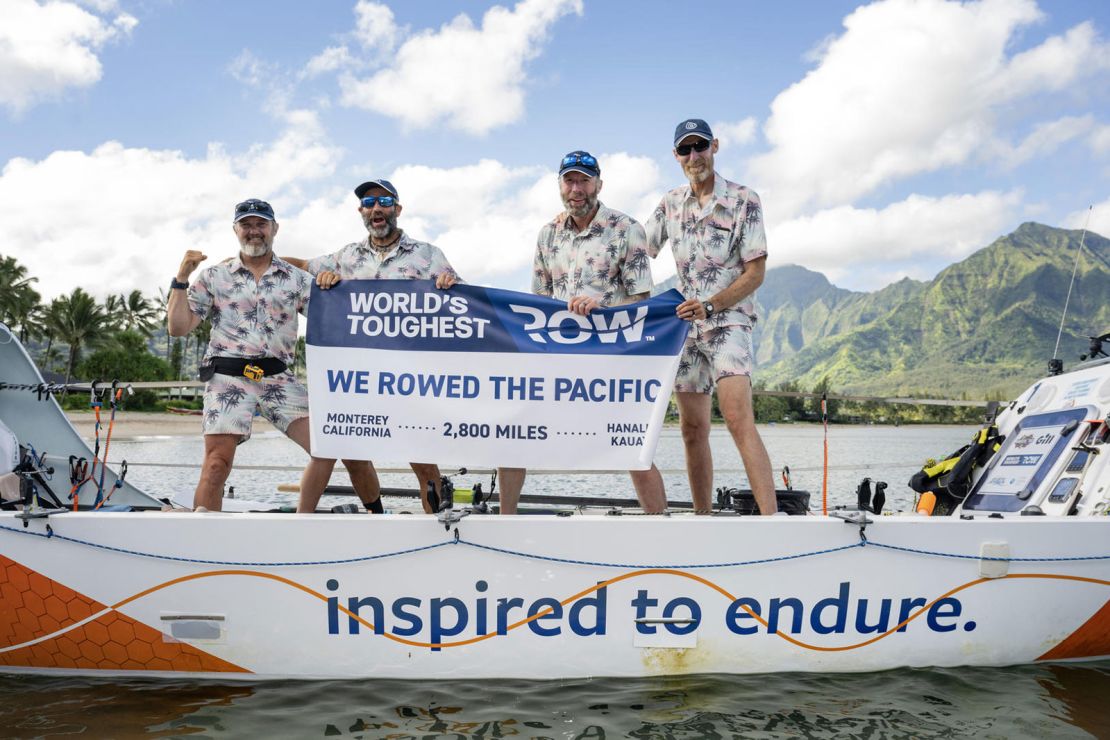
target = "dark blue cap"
x: 360, y: 191
x: 254, y: 207
x: 692, y: 127
x: 580, y: 161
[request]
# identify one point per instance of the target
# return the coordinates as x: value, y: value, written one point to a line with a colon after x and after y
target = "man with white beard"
x: 591, y: 256
x: 387, y: 253
x: 253, y: 300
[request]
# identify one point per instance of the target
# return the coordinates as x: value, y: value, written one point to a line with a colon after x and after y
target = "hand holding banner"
x: 401, y: 371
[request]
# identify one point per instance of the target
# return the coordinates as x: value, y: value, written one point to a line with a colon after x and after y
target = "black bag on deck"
x: 743, y: 501
x: 950, y: 479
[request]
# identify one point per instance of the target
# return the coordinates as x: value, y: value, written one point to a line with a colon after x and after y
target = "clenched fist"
x: 189, y: 263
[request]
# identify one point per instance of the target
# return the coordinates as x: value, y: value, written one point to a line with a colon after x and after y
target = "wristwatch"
x: 175, y: 283
x: 708, y: 308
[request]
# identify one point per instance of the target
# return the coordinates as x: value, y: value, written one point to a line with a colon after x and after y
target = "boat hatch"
x: 1027, y: 458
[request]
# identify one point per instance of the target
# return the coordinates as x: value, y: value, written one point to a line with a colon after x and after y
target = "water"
x: 1023, y: 701
x: 1027, y: 701
x: 880, y: 452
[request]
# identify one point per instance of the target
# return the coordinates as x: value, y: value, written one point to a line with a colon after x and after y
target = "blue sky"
x: 887, y: 139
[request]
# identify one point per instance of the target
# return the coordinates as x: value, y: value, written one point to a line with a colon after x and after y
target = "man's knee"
x: 694, y: 429
x: 217, y: 464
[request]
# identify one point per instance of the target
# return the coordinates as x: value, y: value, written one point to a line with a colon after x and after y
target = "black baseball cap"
x: 360, y: 191
x: 254, y: 207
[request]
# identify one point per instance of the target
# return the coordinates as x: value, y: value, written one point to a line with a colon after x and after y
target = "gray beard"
x: 381, y: 232
x: 255, y: 250
x: 583, y: 211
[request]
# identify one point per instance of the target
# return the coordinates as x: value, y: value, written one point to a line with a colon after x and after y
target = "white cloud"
x: 1098, y: 222
x: 1044, y: 139
x: 469, y: 78
x: 911, y: 86
x: 1100, y: 140
x: 329, y: 60
x: 251, y: 70
x: 735, y: 134
x: 138, y: 210
x: 48, y: 48
x: 841, y: 240
x: 374, y: 26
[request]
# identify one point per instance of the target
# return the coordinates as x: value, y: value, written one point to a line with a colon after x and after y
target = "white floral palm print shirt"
x: 608, y: 260
x: 251, y: 318
x: 409, y: 260
x: 711, y: 244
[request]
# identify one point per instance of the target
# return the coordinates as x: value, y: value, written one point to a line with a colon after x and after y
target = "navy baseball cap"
x: 580, y: 161
x: 386, y: 185
x: 692, y: 127
x: 254, y: 207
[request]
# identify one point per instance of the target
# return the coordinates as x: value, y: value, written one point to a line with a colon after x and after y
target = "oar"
x: 463, y: 496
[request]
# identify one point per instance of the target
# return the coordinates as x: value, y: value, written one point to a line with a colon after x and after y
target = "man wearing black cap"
x: 252, y: 300
x: 715, y: 229
x: 590, y: 256
x: 387, y: 253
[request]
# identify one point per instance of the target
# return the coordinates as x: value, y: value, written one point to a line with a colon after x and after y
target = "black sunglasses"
x: 253, y: 206
x: 684, y: 149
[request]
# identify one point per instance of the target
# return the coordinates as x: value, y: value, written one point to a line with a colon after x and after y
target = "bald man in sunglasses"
x: 715, y: 230
x: 387, y: 253
x: 590, y: 256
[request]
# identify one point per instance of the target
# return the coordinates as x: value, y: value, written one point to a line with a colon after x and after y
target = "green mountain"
x: 983, y: 327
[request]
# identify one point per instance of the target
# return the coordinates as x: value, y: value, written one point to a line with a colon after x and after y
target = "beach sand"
x: 137, y: 424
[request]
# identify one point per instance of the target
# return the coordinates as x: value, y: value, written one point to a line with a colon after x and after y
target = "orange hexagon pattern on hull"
x: 33, y: 606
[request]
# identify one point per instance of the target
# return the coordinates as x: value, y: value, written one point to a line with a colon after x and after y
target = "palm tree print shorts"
x: 711, y: 354
x: 230, y: 402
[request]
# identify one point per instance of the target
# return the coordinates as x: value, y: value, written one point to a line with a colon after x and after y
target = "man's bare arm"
x: 179, y: 319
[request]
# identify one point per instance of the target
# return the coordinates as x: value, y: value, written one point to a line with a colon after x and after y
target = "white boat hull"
x: 353, y: 596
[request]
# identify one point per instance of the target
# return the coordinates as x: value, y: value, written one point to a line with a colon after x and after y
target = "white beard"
x: 255, y: 250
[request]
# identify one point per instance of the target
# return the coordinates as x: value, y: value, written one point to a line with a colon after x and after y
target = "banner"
x: 400, y: 371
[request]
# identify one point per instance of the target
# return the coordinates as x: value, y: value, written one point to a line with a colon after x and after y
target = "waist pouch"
x: 253, y: 368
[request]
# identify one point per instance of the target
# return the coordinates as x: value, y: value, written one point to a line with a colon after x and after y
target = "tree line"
x: 78, y: 337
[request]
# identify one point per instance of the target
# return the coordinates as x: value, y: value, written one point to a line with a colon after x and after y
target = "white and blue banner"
x: 400, y: 371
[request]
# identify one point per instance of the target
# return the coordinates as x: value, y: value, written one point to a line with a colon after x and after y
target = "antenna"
x: 1054, y: 365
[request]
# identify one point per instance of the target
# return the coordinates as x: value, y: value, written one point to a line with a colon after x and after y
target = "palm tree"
x: 18, y: 300
x: 138, y: 313
x: 113, y: 310
x: 77, y: 320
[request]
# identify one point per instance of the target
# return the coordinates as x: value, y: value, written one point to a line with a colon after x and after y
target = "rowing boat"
x: 1018, y: 572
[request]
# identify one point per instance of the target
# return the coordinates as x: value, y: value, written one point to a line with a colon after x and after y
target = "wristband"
x: 177, y: 284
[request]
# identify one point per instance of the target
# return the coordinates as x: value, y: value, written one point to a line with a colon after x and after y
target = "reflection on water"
x: 1026, y: 701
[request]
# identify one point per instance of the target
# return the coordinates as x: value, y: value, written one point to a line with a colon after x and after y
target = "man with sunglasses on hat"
x: 387, y: 253
x: 715, y: 229
x: 252, y: 300
x: 591, y: 256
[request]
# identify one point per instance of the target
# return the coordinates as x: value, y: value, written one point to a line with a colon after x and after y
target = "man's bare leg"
x: 426, y: 473
x: 511, y: 481
x: 364, y: 479
x: 694, y: 411
x: 734, y: 396
x: 219, y: 453
x: 316, y: 474
x: 649, y: 490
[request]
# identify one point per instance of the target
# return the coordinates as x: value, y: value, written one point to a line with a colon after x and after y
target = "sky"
x: 886, y: 140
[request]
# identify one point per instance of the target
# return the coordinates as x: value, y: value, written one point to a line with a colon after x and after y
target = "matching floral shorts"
x: 712, y: 353
x: 230, y: 402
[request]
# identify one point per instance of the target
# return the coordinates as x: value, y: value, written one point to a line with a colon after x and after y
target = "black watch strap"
x: 175, y: 283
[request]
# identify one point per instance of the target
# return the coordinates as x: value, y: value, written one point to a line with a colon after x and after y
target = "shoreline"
x: 140, y: 424
x: 132, y: 425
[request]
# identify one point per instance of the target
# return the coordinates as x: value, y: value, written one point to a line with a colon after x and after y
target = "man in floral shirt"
x: 252, y: 300
x: 590, y: 256
x: 715, y: 229
x: 387, y: 253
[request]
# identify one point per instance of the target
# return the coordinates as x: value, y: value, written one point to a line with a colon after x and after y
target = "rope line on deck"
x: 456, y: 540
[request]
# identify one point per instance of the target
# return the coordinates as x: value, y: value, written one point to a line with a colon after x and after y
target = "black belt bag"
x: 253, y: 368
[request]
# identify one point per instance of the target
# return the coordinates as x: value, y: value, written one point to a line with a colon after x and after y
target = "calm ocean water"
x: 1022, y: 701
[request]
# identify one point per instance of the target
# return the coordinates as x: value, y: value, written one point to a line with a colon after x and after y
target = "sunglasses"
x: 253, y: 206
x: 587, y: 160
x: 684, y: 149
x: 386, y: 201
